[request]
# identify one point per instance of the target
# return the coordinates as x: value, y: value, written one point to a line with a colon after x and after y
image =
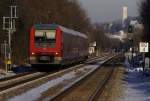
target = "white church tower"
x: 125, y: 13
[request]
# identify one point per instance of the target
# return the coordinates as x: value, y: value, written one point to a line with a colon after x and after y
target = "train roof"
x: 64, y: 29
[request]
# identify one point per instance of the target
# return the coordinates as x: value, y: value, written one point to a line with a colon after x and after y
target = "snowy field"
x: 137, y: 85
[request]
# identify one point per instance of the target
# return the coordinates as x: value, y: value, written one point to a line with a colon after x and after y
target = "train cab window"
x: 45, y: 38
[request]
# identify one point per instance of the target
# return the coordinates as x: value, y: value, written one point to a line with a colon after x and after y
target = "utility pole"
x: 9, y: 24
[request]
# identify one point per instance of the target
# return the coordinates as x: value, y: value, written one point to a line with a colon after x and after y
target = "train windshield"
x: 45, y: 38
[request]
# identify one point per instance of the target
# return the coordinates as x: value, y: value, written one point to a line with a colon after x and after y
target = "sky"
x: 109, y: 10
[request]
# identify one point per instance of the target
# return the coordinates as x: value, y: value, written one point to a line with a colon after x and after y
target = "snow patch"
x: 137, y: 85
x: 1, y: 76
x: 140, y: 69
x: 35, y: 93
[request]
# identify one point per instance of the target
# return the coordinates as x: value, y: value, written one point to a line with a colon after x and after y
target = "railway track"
x: 28, y: 73
x: 101, y: 86
x: 14, y: 76
x: 88, y: 88
x: 20, y: 79
x: 7, y: 85
x: 86, y: 91
x: 22, y: 75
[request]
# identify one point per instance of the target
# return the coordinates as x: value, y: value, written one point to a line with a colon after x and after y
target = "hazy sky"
x: 108, y: 10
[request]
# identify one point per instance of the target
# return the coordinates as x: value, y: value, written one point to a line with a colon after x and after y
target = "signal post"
x: 9, y: 25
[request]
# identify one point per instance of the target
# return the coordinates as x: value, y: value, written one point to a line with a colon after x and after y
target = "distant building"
x: 125, y: 13
x: 136, y: 24
x: 124, y: 16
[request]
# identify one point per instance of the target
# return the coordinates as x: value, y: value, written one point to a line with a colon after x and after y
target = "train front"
x: 45, y: 44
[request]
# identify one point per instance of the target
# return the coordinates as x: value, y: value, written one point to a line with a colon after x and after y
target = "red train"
x: 55, y: 44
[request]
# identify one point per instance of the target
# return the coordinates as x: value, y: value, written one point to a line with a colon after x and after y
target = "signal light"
x: 130, y: 29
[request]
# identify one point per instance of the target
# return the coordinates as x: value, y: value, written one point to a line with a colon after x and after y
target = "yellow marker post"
x: 9, y: 62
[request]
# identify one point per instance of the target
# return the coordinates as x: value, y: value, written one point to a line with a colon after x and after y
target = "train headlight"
x: 56, y: 53
x: 33, y: 53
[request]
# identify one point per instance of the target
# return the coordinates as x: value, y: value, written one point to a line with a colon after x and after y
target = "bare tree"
x: 68, y: 13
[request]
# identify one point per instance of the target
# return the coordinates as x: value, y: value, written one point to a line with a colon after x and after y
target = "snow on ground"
x: 1, y: 76
x: 35, y: 93
x: 137, y: 85
x: 6, y: 75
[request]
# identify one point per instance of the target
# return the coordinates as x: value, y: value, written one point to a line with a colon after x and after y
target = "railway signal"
x: 9, y: 24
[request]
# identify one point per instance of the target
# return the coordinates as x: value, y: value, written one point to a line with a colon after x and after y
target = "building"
x: 125, y: 13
